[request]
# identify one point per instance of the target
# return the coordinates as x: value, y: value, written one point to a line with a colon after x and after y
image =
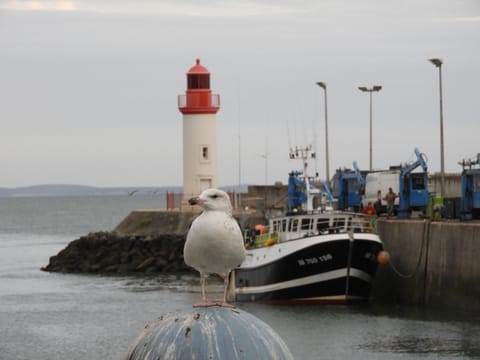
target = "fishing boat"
x: 310, y: 254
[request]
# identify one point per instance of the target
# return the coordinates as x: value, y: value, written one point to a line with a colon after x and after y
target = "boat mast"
x: 305, y: 154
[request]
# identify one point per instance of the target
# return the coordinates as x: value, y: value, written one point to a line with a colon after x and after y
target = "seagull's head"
x: 212, y: 199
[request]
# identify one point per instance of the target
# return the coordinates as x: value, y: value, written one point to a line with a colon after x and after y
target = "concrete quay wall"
x: 431, y: 263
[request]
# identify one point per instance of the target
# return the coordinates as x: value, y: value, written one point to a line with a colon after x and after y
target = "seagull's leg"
x: 204, y: 302
x: 224, y: 303
x: 202, y: 283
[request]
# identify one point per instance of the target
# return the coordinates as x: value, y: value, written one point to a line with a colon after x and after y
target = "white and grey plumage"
x: 214, y: 242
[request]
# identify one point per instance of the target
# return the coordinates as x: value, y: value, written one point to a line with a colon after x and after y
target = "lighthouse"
x: 199, y: 108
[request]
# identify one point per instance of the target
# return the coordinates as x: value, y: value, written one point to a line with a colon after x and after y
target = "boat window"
x: 294, y: 225
x: 284, y: 225
x: 306, y: 224
x: 277, y: 225
x: 274, y: 225
x: 322, y: 224
x: 339, y: 223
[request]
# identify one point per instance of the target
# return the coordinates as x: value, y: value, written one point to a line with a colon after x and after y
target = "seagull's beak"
x: 194, y: 201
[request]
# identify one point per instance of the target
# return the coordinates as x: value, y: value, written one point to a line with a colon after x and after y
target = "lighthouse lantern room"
x: 199, y: 107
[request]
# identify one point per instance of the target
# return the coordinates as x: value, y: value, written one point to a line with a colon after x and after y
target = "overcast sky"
x: 88, y: 89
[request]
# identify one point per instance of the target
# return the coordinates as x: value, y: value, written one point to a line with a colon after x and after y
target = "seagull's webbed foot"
x: 205, y: 303
x: 225, y: 304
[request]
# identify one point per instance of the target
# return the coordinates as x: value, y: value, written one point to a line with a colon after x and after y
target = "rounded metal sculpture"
x: 209, y: 333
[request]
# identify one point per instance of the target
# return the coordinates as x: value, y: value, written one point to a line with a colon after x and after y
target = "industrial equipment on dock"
x: 470, y: 191
x: 413, y: 187
x: 350, y: 187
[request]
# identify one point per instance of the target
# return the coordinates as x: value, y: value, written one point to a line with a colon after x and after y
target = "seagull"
x: 214, y: 241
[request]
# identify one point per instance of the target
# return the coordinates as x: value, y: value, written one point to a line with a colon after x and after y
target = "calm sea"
x: 55, y: 316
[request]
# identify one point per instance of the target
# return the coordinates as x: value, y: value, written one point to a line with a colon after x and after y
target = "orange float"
x: 383, y: 257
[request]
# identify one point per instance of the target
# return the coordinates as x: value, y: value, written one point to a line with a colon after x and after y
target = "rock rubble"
x: 108, y: 252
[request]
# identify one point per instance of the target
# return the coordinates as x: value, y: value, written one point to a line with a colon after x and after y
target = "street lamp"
x: 371, y: 90
x: 327, y: 166
x: 438, y: 63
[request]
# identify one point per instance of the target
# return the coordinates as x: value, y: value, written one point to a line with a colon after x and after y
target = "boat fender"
x: 270, y: 242
x: 383, y: 257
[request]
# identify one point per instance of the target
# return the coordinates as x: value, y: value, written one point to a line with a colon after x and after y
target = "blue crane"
x: 470, y: 198
x: 296, y: 191
x: 351, y: 186
x: 299, y: 191
x: 413, y: 187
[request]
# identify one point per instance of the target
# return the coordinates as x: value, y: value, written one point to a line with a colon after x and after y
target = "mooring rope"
x: 426, y: 227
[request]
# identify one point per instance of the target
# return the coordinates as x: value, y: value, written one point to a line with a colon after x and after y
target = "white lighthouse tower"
x: 199, y: 107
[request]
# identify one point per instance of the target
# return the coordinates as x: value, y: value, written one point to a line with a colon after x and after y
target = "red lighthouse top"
x: 198, y: 98
x: 198, y: 69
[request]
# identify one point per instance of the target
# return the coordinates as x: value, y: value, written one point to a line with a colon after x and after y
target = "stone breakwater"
x: 108, y: 252
x: 146, y: 241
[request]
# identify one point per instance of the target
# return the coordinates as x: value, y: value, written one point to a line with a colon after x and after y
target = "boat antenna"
x: 315, y: 148
x: 239, y: 141
x: 288, y: 136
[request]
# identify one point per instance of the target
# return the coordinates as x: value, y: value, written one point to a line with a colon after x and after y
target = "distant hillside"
x: 81, y: 190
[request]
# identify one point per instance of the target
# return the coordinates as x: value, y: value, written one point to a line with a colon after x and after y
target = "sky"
x: 88, y: 89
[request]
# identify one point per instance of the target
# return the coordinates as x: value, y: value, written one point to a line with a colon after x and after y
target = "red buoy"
x: 383, y: 257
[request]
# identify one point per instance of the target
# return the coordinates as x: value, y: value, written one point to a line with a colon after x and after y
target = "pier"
x: 434, y: 263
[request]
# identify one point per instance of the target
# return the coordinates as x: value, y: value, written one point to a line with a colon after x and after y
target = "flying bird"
x: 214, y: 243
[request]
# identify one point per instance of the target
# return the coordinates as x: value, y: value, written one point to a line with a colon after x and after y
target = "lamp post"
x: 327, y: 166
x: 370, y: 90
x: 438, y: 63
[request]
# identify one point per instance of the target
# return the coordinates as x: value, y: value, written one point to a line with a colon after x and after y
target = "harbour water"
x: 62, y: 316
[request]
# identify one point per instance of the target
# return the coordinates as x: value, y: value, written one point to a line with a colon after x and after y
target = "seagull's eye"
x: 214, y: 196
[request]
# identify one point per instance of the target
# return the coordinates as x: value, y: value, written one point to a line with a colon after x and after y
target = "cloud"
x: 166, y: 8
x: 461, y: 19
x: 40, y: 5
